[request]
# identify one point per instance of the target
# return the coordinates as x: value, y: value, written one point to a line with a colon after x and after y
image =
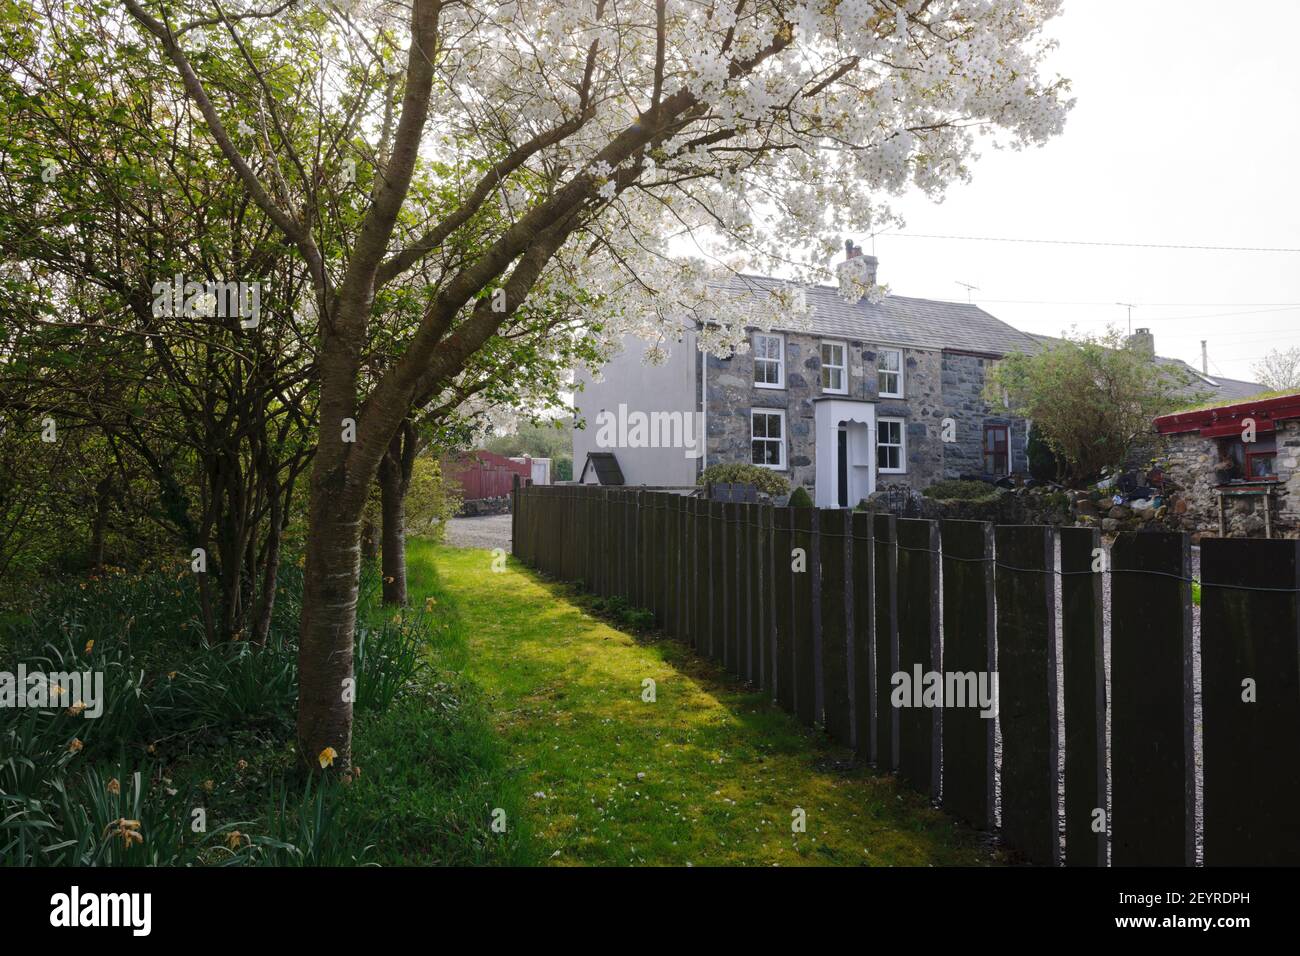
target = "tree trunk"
x: 393, y: 496
x: 103, y: 503
x: 270, y: 575
x: 341, y: 477
x: 329, y: 615
x: 395, y: 471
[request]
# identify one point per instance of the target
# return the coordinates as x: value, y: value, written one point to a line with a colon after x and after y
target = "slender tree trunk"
x: 394, y: 482
x: 270, y: 575
x: 98, y: 531
x: 393, y: 496
x: 369, y: 541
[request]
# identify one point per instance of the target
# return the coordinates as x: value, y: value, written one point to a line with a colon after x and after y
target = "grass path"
x: 710, y: 773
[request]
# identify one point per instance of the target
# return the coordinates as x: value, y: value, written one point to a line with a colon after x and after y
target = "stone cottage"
x: 869, y: 394
x: 1236, y: 466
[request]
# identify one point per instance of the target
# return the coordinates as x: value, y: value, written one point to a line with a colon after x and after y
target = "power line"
x: 1149, y: 305
x: 1276, y: 334
x: 1172, y: 318
x: 1082, y: 242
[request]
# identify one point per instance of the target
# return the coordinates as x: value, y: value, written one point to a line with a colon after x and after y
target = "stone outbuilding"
x: 1235, y: 466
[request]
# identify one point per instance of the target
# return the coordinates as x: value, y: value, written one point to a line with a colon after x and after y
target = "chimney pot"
x: 857, y: 273
x: 1142, y: 341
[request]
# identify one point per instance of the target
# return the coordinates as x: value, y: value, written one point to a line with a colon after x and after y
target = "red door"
x: 996, y: 444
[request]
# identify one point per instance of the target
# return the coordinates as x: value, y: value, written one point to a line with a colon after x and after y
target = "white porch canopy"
x: 859, y: 418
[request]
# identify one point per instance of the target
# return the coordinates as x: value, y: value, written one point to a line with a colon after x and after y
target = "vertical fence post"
x: 758, y: 595
x: 640, y: 518
x: 1152, y: 791
x: 1026, y: 620
x: 968, y: 649
x: 700, y: 584
x: 833, y: 527
x: 717, y: 580
x: 804, y: 524
x: 661, y: 559
x: 671, y: 541
x: 885, y: 596
x: 514, y: 514
x: 664, y: 560
x: 918, y: 651
x: 731, y: 574
x: 649, y: 552
x: 519, y: 528
x: 1085, y: 696
x: 627, y: 538
x: 861, y: 669
x: 672, y: 598
x: 686, y: 554
x: 783, y: 608
x: 744, y: 564
x: 608, y: 549
x: 818, y: 651
x: 1250, y: 694
x: 591, y: 543
x: 760, y: 573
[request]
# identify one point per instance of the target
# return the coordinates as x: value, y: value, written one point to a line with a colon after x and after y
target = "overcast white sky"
x: 1186, y: 130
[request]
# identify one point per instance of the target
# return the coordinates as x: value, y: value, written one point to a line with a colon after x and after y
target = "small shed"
x: 483, y: 474
x: 1236, y: 465
x: 603, y: 467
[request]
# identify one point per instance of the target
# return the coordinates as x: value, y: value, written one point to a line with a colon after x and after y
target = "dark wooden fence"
x: 822, y: 608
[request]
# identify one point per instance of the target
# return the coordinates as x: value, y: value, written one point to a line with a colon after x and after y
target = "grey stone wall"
x: 963, y: 397
x: 732, y: 395
x: 1189, y: 462
x: 935, y: 386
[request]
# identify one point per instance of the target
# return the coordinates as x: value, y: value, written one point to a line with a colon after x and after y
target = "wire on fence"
x: 1008, y: 567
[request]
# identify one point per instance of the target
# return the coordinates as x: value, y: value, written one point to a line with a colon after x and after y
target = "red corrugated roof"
x: 1227, y: 419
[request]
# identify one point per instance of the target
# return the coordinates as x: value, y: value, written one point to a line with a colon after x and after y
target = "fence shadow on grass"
x: 889, y: 632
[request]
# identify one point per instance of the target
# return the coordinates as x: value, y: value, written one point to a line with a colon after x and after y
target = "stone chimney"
x: 1142, y: 341
x: 857, y: 273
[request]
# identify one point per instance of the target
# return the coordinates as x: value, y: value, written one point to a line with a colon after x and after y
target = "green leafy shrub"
x: 765, y: 479
x: 954, y: 490
x: 431, y: 500
x: 800, y: 498
x: 1043, y: 463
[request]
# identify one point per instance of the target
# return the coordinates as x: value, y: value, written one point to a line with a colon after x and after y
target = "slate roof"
x: 1220, y: 388
x: 897, y: 320
x: 931, y: 324
x: 1214, y: 387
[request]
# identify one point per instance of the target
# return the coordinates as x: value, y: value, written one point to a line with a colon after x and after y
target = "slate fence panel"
x: 823, y: 609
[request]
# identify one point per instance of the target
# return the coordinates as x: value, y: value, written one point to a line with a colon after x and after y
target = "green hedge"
x: 765, y: 479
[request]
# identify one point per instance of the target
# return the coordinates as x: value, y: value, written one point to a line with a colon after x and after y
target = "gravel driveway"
x: 489, y: 531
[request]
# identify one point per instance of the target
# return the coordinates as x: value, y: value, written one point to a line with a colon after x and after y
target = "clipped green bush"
x: 765, y: 479
x: 800, y: 498
x: 955, y: 490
